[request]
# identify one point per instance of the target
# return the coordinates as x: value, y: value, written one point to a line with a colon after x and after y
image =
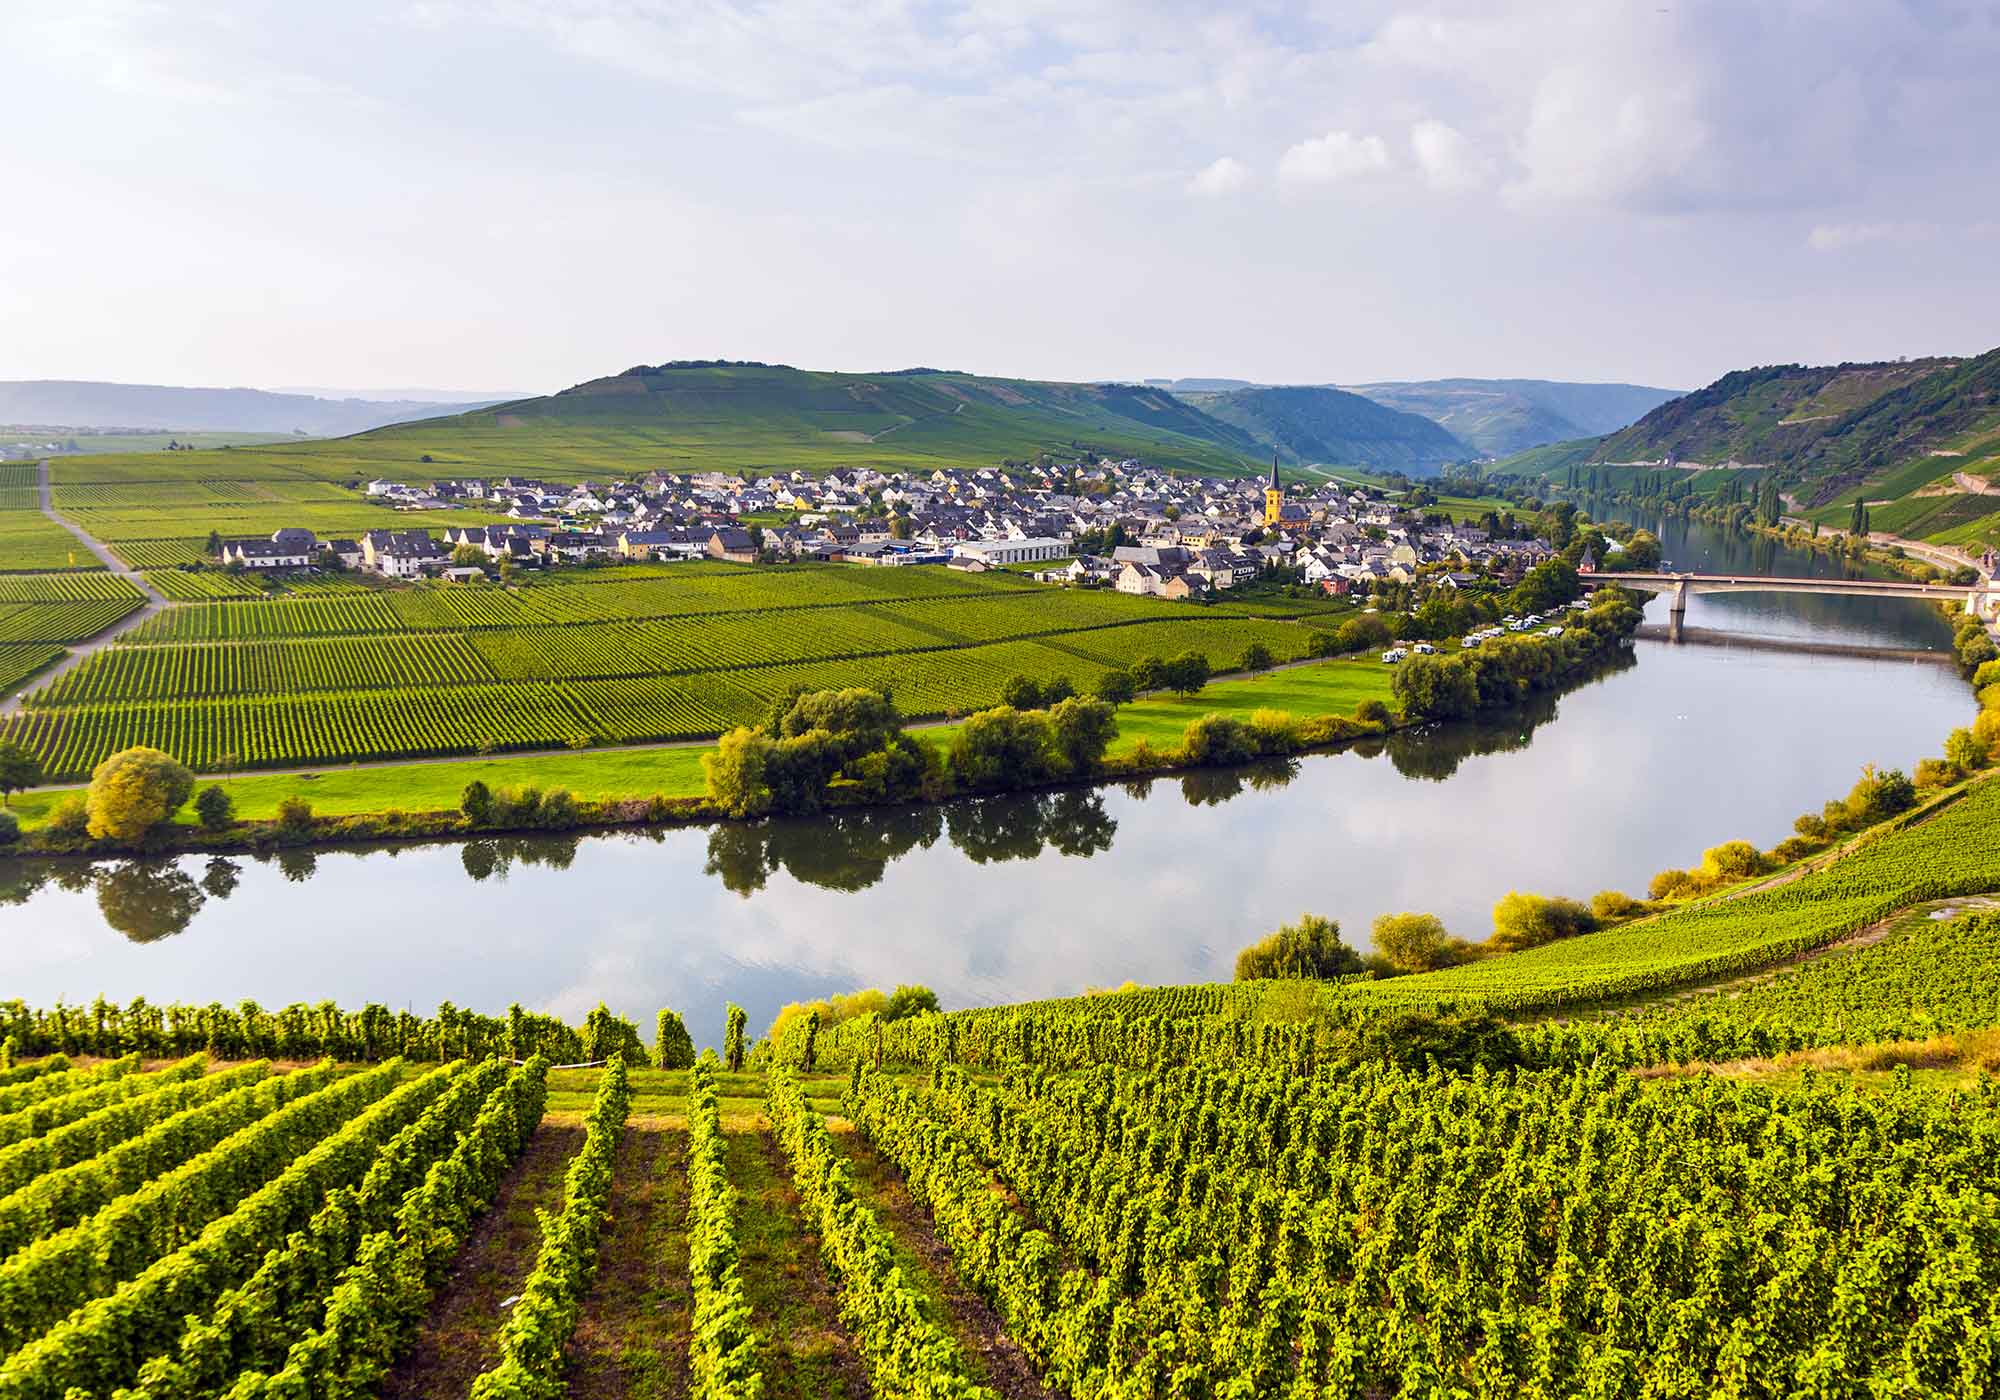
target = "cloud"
x: 1831, y: 238
x: 1223, y: 176
x: 1447, y: 159
x: 1338, y: 155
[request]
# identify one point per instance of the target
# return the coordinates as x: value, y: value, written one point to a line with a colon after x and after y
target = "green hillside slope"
x: 1310, y: 423
x: 712, y: 415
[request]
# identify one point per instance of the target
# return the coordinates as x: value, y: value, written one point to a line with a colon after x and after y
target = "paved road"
x: 82, y: 651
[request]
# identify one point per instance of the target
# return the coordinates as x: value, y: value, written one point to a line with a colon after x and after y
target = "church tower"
x: 1274, y: 495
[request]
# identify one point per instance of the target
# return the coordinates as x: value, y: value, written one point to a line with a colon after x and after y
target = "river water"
x: 1011, y: 899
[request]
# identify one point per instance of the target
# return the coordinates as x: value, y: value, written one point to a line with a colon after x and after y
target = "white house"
x: 995, y: 553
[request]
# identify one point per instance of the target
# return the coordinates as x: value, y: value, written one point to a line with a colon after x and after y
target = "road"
x: 82, y: 651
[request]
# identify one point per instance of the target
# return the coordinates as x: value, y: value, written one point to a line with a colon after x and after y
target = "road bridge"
x: 1982, y: 599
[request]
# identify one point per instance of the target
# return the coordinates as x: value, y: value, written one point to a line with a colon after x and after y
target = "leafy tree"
x: 1364, y: 633
x: 1416, y: 942
x: 732, y: 1038
x: 1057, y: 691
x: 1185, y: 674
x: 1879, y: 795
x: 1001, y: 748
x: 1256, y: 657
x: 476, y: 801
x: 1218, y: 740
x: 213, y: 807
x: 19, y: 771
x: 295, y: 818
x: 1148, y: 673
x: 134, y: 792
x: 1964, y: 751
x: 1530, y: 920
x: 735, y: 773
x: 860, y: 718
x: 673, y: 1047
x: 1373, y: 712
x: 1435, y: 687
x: 910, y: 1000
x: 1022, y: 693
x: 1115, y: 687
x: 1310, y: 948
x: 1615, y: 906
x: 1079, y: 733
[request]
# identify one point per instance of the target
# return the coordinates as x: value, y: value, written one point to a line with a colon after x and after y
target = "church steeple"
x: 1274, y: 494
x: 1274, y: 469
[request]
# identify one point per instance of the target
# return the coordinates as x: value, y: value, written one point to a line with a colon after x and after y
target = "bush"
x: 1276, y: 731
x: 69, y: 818
x: 295, y: 817
x: 1730, y: 862
x: 1877, y: 796
x: 134, y: 792
x: 1987, y: 673
x: 1217, y: 740
x: 1373, y: 712
x: 735, y: 773
x: 517, y: 806
x: 1001, y: 748
x: 558, y: 810
x: 213, y: 808
x: 910, y: 1000
x: 1615, y: 907
x: 1412, y: 942
x: 1079, y: 733
x: 1812, y: 826
x: 1965, y: 751
x: 1310, y: 948
x: 1522, y: 921
x: 10, y: 827
x: 476, y: 801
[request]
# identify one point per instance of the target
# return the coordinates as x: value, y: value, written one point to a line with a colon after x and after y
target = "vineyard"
x: 1138, y: 1195
x: 616, y: 656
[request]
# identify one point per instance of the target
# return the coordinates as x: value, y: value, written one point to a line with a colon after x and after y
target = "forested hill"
x: 80, y: 403
x: 1311, y: 423
x: 731, y: 415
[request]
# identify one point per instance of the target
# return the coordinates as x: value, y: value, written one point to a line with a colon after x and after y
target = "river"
x: 1011, y: 899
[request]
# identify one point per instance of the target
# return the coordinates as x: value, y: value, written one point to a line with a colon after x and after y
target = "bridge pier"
x: 1677, y: 605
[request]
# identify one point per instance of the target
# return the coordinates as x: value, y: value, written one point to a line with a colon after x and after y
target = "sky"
x: 531, y: 193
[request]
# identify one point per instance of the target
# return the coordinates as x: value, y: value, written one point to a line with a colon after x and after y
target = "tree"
x: 506, y: 570
x: 1001, y: 748
x: 732, y: 1038
x: 19, y: 771
x: 1147, y: 673
x: 468, y: 556
x: 1022, y: 693
x: 1218, y: 740
x: 1964, y: 751
x: 1530, y: 920
x: 910, y: 1000
x: 134, y: 792
x: 1115, y: 687
x: 1363, y: 633
x: 476, y: 801
x: 1079, y: 733
x: 673, y: 1047
x: 146, y: 901
x: 1413, y: 942
x: 295, y: 818
x: 735, y: 773
x: 1256, y: 657
x: 213, y: 807
x: 1435, y: 687
x: 1310, y: 948
x: 900, y: 527
x: 1185, y: 674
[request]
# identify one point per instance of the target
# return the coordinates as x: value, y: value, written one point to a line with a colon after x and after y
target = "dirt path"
x: 82, y: 651
x: 632, y: 1338
x: 994, y: 1358
x: 460, y: 1337
x: 807, y: 1354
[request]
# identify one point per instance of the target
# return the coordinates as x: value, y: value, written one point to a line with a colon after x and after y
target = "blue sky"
x: 527, y: 193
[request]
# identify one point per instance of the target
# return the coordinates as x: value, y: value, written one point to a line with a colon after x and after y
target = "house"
x: 290, y: 548
x: 998, y: 553
x: 346, y: 552
x: 400, y: 553
x: 732, y: 544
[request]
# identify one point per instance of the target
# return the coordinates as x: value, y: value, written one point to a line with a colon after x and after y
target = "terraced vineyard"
x: 596, y: 657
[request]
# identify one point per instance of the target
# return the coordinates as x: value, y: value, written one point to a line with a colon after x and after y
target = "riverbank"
x: 655, y: 785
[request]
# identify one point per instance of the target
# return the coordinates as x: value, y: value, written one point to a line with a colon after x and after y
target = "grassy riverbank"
x: 1325, y: 688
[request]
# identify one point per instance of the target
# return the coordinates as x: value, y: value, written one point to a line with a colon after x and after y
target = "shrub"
x: 1879, y: 795
x: 1079, y: 733
x: 10, y: 827
x: 1522, y: 921
x: 1001, y: 748
x: 558, y: 810
x: 213, y: 808
x: 1217, y: 740
x: 735, y: 773
x: 1320, y: 642
x: 1310, y: 948
x: 1730, y: 862
x: 134, y: 792
x: 476, y: 801
x: 295, y: 817
x: 1615, y: 906
x: 673, y: 1047
x: 732, y: 1038
x: 69, y: 817
x: 1964, y: 751
x: 1670, y: 884
x: 1372, y: 712
x: 1276, y: 731
x: 1416, y: 942
x: 1987, y: 673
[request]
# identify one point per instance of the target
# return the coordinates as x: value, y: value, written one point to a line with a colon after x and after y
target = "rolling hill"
x: 1501, y: 416
x: 1311, y: 423
x: 79, y: 403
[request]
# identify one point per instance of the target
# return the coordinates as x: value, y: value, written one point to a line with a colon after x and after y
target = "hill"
x: 1502, y: 416
x: 709, y: 414
x: 82, y: 403
x: 1310, y: 423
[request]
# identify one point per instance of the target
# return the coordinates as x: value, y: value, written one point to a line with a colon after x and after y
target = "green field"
x: 1329, y: 688
x: 585, y: 659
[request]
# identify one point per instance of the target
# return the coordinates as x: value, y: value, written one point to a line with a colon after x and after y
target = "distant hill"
x: 1201, y: 386
x: 1502, y: 416
x: 711, y: 414
x: 80, y: 403
x: 1311, y: 423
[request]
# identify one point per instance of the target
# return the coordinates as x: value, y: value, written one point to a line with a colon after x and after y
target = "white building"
x: 995, y: 553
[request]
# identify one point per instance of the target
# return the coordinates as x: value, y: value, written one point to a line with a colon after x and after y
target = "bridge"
x: 1982, y: 599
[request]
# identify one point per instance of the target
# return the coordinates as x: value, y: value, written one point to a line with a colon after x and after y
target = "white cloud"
x: 1222, y: 176
x: 1448, y: 160
x: 1338, y: 155
x: 1831, y: 238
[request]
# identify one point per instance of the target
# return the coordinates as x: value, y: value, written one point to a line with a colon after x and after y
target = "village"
x: 1120, y: 525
